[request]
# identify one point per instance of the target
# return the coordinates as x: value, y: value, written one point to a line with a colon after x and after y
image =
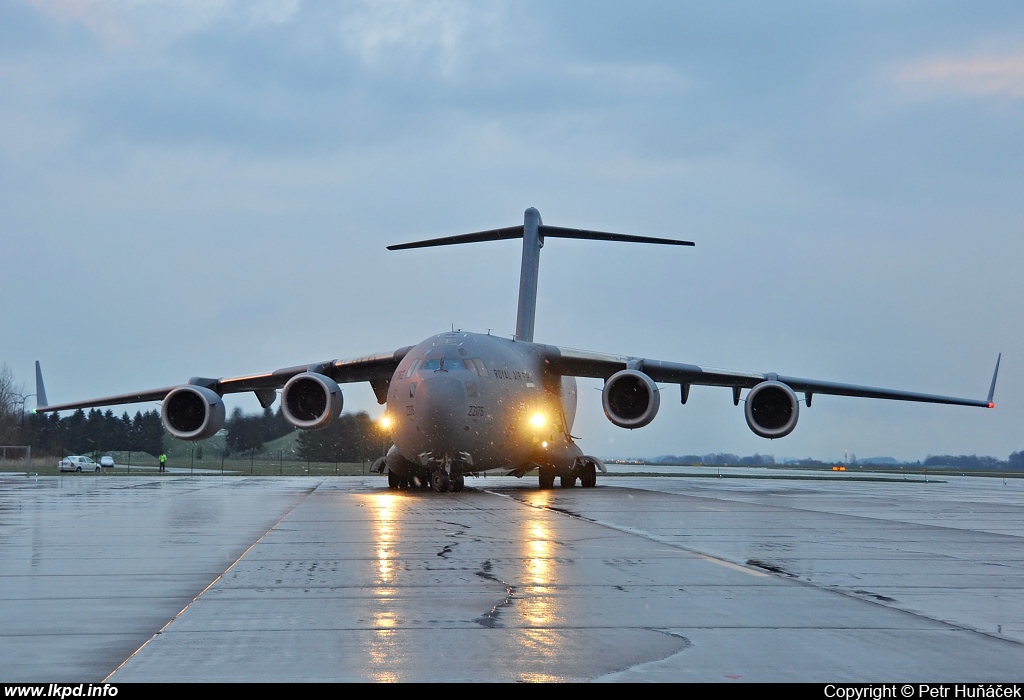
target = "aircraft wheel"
x: 588, y: 476
x: 440, y: 481
x: 568, y: 482
x: 458, y: 482
x: 546, y: 476
x: 395, y: 480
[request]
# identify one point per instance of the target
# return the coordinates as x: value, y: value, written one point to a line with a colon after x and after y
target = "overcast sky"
x: 196, y: 187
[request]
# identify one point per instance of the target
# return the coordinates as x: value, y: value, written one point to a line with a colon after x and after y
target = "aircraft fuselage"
x: 480, y: 402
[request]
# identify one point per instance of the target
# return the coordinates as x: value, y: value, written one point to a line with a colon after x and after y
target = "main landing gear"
x: 546, y: 476
x: 588, y: 475
x: 585, y: 469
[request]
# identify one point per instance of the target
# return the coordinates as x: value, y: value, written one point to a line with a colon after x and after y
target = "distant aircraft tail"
x: 533, y: 232
x: 992, y: 388
x: 40, y: 389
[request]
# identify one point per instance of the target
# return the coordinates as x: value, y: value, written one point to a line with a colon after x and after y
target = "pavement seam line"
x: 755, y: 572
x: 214, y: 582
x: 830, y: 513
x: 646, y: 535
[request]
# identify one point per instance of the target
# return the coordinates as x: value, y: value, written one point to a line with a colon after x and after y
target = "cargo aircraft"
x: 464, y: 403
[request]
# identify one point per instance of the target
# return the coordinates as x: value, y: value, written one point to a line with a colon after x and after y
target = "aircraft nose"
x: 442, y: 409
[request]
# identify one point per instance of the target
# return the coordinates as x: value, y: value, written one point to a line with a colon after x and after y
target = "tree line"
x: 95, y: 431
x: 961, y: 462
x: 974, y: 462
x: 717, y: 459
x: 12, y: 402
x: 353, y: 437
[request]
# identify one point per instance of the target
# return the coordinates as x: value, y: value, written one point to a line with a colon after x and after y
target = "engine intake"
x: 192, y: 412
x: 772, y: 410
x: 630, y: 399
x: 310, y: 401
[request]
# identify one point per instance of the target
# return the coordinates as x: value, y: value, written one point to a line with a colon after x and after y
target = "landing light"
x: 384, y: 422
x: 537, y: 420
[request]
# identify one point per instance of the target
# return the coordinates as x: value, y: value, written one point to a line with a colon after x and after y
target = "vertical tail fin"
x: 528, y: 275
x: 992, y: 388
x: 40, y: 389
x: 533, y: 232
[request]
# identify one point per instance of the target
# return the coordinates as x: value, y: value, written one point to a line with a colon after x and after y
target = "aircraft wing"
x: 581, y: 363
x: 375, y: 369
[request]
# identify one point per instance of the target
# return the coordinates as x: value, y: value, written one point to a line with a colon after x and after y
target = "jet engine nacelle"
x: 772, y: 409
x: 192, y: 412
x: 630, y: 399
x: 310, y: 401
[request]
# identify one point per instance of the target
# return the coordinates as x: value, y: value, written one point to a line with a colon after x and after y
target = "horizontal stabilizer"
x: 498, y: 234
x: 502, y: 234
x: 582, y: 234
x: 533, y: 232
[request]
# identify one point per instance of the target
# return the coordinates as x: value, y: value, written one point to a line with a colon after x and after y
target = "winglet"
x: 992, y: 388
x: 40, y: 389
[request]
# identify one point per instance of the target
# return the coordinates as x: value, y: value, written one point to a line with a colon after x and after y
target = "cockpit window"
x: 445, y: 364
x: 412, y: 368
x: 479, y: 364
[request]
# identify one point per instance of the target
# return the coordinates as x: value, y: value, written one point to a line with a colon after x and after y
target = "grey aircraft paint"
x: 464, y: 403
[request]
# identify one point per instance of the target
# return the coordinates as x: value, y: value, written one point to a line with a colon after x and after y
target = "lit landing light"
x: 385, y: 422
x: 538, y: 420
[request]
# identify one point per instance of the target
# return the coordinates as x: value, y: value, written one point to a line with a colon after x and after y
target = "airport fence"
x: 15, y: 455
x: 141, y: 463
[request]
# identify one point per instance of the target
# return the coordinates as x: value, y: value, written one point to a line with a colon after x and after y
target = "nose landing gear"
x: 446, y: 474
x: 442, y: 481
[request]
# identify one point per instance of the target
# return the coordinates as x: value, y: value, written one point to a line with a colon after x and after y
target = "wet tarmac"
x: 665, y: 578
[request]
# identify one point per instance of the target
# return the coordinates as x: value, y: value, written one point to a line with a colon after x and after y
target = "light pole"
x: 22, y: 399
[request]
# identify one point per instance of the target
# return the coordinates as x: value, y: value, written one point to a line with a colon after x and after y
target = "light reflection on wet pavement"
x: 640, y: 579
